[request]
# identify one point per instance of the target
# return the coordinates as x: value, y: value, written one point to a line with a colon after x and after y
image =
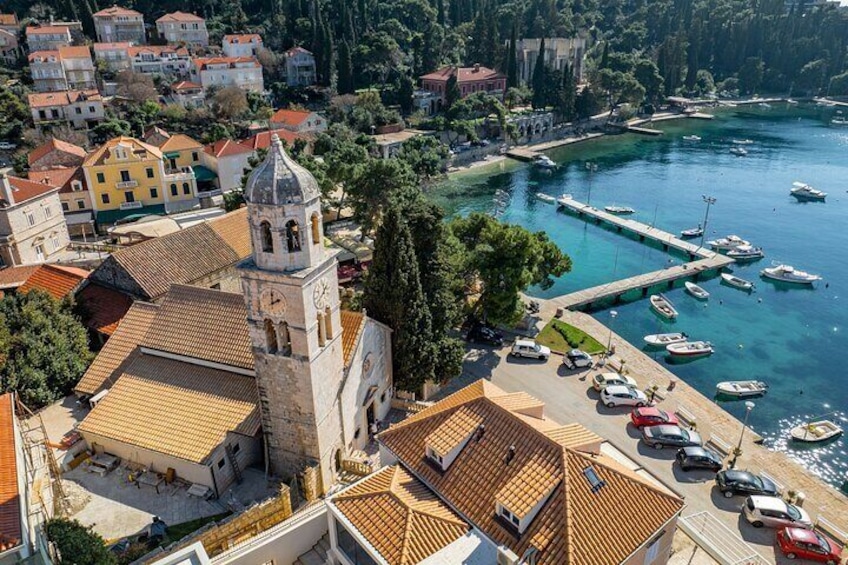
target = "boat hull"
x: 740, y: 284
x: 741, y: 389
x: 663, y: 307
x: 662, y: 340
x: 680, y: 350
x: 816, y: 432
x: 697, y: 291
x: 803, y: 282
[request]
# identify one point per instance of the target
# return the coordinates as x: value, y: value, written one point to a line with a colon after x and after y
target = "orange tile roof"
x: 233, y: 230
x: 10, y: 500
x: 202, y: 323
x: 290, y: 117
x: 157, y: 50
x: 97, y: 156
x: 262, y: 140
x: 572, y: 526
x: 116, y: 11
x: 352, y: 325
x: 44, y: 30
x: 186, y: 85
x: 298, y: 49
x: 401, y: 518
x: 175, y: 408
x: 201, y: 62
x: 75, y: 52
x: 242, y: 38
x: 180, y: 142
x: 58, y: 176
x: 104, y: 308
x: 8, y: 20
x: 23, y: 190
x: 464, y: 74
x: 112, y: 46
x: 119, y: 350
x: 227, y: 147
x: 56, y: 282
x: 63, y: 98
x: 54, y: 144
x: 453, y: 431
x: 180, y: 17
x: 13, y: 277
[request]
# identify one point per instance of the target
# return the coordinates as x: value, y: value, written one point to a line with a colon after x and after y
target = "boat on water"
x: 803, y: 191
x: 563, y: 199
x: 789, y: 274
x: 696, y: 291
x: 544, y: 162
x: 765, y: 105
x: 727, y: 243
x: 691, y: 138
x: 692, y: 232
x: 545, y: 197
x: 816, y: 432
x: 742, y: 141
x: 736, y: 282
x: 839, y: 121
x: 661, y: 340
x: 742, y: 389
x: 739, y: 151
x: 746, y: 253
x: 663, y: 306
x: 791, y: 102
x: 690, y: 349
x: 619, y: 210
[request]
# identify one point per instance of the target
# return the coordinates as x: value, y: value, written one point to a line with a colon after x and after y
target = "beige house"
x: 81, y: 108
x: 559, y: 52
x: 221, y: 72
x: 117, y: 24
x: 241, y: 45
x: 32, y: 227
x: 182, y: 28
x: 115, y: 56
x: 48, y: 38
x: 65, y: 68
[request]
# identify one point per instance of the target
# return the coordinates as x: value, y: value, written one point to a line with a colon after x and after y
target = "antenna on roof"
x: 510, y: 454
x: 593, y: 478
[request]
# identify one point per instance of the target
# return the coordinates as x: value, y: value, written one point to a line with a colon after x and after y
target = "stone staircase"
x: 318, y: 554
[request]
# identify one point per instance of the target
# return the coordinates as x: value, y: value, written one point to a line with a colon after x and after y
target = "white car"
x: 603, y: 380
x: 529, y: 348
x: 775, y: 513
x: 578, y: 358
x: 6, y: 146
x: 619, y: 395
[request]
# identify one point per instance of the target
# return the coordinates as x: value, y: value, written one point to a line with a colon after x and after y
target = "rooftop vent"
x: 510, y: 454
x: 593, y: 478
x: 481, y: 429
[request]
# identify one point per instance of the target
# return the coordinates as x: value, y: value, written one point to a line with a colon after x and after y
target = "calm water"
x: 793, y: 338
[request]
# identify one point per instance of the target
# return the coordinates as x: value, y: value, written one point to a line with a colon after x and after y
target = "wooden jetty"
x: 523, y: 154
x: 635, y: 128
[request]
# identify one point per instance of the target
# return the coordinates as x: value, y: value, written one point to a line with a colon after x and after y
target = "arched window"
x: 267, y: 237
x: 322, y: 336
x: 316, y: 229
x: 270, y: 337
x: 284, y: 337
x: 328, y: 323
x: 293, y: 236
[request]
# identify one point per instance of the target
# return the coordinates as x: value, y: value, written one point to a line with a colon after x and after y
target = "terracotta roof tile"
x: 116, y: 11
x: 227, y: 147
x: 104, y: 307
x: 119, y: 349
x: 201, y: 62
x: 56, y: 282
x: 464, y: 74
x: 55, y: 145
x: 290, y: 117
x: 44, y: 30
x: 8, y: 19
x: 23, y: 189
x: 13, y: 277
x: 453, y: 431
x: 112, y: 46
x: 175, y: 408
x: 352, y: 325
x: 186, y: 85
x: 262, y: 140
x: 74, y: 52
x: 403, y: 519
x: 242, y: 38
x: 180, y: 142
x: 63, y: 98
x: 96, y: 157
x: 204, y: 324
x: 298, y: 49
x: 180, y: 17
x: 10, y: 500
x: 59, y: 176
x: 157, y: 50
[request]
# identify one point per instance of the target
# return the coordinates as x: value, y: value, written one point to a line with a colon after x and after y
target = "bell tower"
x: 290, y: 288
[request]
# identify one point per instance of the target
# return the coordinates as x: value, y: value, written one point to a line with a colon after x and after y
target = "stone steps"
x: 318, y: 555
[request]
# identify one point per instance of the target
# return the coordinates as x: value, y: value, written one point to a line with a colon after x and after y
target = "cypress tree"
x: 539, y: 78
x: 344, y: 68
x: 512, y: 61
x: 441, y: 9
x: 452, y: 93
x: 327, y: 47
x: 568, y: 93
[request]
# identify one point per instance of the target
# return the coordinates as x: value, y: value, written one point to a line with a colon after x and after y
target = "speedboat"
x: 691, y: 138
x: 742, y: 141
x: 803, y: 191
x: 786, y: 273
x: 738, y: 151
x: 545, y: 197
x: 663, y: 306
x: 692, y: 232
x: 746, y: 253
x: 661, y: 340
x: 727, y: 243
x: 690, y: 348
x: 619, y: 210
x: 742, y: 389
x: 696, y: 291
x: 815, y: 432
x: 563, y: 199
x: 736, y: 282
x: 544, y: 162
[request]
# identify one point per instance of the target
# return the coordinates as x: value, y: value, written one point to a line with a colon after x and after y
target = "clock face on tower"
x: 321, y: 294
x: 272, y: 301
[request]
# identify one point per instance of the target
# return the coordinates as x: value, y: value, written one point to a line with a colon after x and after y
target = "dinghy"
x: 696, y: 291
x: 690, y: 349
x: 663, y: 306
x: 661, y: 340
x: 816, y: 432
x: 742, y: 389
x: 736, y: 282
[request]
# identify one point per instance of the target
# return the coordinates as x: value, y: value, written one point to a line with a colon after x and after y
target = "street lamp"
x: 709, y: 201
x: 748, y: 407
x: 613, y: 314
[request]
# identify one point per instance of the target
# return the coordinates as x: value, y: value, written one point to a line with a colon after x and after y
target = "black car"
x: 698, y: 458
x: 481, y: 333
x: 732, y: 482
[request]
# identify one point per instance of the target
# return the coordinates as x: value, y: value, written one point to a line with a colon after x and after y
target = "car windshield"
x: 662, y: 415
x: 793, y: 512
x: 822, y: 542
x: 684, y: 435
x: 756, y: 481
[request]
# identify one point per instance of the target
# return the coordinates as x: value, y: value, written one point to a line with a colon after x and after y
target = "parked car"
x: 652, y: 416
x: 808, y: 544
x: 529, y: 348
x: 6, y: 146
x: 603, y: 380
x: 669, y: 436
x: 578, y: 358
x: 732, y: 482
x: 775, y: 513
x: 619, y: 395
x: 481, y: 333
x: 696, y: 457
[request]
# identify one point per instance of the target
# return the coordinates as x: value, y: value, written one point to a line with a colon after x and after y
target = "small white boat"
x: 545, y: 197
x: 727, y: 243
x: 619, y: 210
x: 787, y: 273
x: 742, y: 141
x: 839, y: 121
x: 544, y: 162
x: 738, y: 151
x: 690, y: 348
x: 765, y: 105
x: 814, y: 432
x: 746, y: 253
x: 736, y: 282
x: 791, y: 102
x: 696, y: 291
x: 663, y: 306
x: 661, y: 340
x: 691, y: 138
x: 803, y: 191
x: 741, y: 389
x: 692, y: 232
x: 563, y: 199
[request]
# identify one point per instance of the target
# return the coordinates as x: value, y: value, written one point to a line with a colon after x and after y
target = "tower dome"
x: 279, y: 180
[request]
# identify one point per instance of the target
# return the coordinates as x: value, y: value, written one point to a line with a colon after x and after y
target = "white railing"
x: 126, y: 184
x: 722, y: 543
x: 131, y: 205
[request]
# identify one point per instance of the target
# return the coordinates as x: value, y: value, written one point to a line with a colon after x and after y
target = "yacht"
x: 736, y: 282
x: 742, y: 141
x: 619, y: 210
x: 727, y: 243
x: 691, y: 138
x: 738, y: 151
x: 803, y: 191
x: 746, y: 253
x: 839, y: 121
x: 692, y: 232
x: 545, y: 197
x: 788, y: 274
x: 544, y: 162
x: 563, y: 199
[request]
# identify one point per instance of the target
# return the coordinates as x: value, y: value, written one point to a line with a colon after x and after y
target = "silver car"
x: 619, y: 395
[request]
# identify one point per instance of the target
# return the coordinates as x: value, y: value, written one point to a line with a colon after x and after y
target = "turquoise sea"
x: 794, y: 338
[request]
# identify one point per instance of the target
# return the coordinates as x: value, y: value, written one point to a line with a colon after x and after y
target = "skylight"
x: 593, y: 478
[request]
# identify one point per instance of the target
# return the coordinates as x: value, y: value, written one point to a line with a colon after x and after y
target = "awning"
x: 172, y: 155
x: 107, y: 218
x: 202, y: 173
x: 77, y: 218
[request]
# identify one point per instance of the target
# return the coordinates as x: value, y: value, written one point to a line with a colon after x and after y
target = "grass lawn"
x: 560, y: 336
x: 179, y: 531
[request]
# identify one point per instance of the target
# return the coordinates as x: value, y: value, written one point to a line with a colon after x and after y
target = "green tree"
x: 425, y: 155
x: 111, y: 128
x: 378, y: 185
x: 512, y: 61
x: 343, y: 161
x: 539, y: 79
x: 344, y: 67
x: 77, y: 544
x: 405, y: 92
x: 567, y: 95
x: 751, y: 75
x: 648, y: 75
x: 452, y: 93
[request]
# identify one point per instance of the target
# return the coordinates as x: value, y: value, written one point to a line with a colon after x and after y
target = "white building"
x: 298, y: 121
x: 229, y: 159
x: 80, y: 108
x: 300, y: 67
x: 116, y: 56
x: 67, y: 68
x: 47, y: 38
x: 9, y: 47
x: 558, y: 52
x: 32, y: 227
x: 243, y: 72
x: 116, y: 24
x: 188, y: 94
x: 241, y: 45
x: 182, y: 28
x: 173, y: 62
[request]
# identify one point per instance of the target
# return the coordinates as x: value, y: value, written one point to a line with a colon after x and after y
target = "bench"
x: 720, y: 445
x: 686, y: 417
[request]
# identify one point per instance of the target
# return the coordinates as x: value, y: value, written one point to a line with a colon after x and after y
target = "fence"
x: 722, y: 543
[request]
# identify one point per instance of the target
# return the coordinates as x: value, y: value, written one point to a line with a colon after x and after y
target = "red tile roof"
x: 157, y: 50
x: 8, y: 20
x: 10, y: 500
x: 464, y: 74
x: 243, y: 38
x: 179, y: 17
x: 55, y: 145
x: 296, y: 50
x: 44, y: 30
x: 55, y: 281
x: 104, y: 308
x: 74, y: 52
x: 186, y: 85
x: 262, y: 140
x: 227, y: 147
x: 111, y: 46
x: 23, y: 189
x: 117, y: 11
x: 58, y: 176
x: 47, y: 99
x: 13, y: 277
x: 202, y: 62
x: 290, y: 117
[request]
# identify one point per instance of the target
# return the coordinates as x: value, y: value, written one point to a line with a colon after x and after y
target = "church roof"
x: 279, y: 180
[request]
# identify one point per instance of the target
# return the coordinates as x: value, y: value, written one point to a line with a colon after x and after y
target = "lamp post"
x: 748, y: 407
x: 709, y: 201
x: 613, y: 315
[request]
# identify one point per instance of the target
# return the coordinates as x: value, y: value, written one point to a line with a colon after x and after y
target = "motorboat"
x: 696, y: 291
x: 803, y: 191
x: 727, y: 243
x: 736, y: 282
x: 619, y: 210
x: 691, y: 138
x: 816, y: 432
x: 742, y: 389
x: 839, y: 121
x: 690, y: 349
x: 742, y: 141
x: 788, y: 274
x: 544, y: 162
x: 563, y: 199
x: 663, y: 306
x: 661, y: 340
x: 746, y: 253
x: 692, y: 232
x: 545, y: 197
x: 739, y: 151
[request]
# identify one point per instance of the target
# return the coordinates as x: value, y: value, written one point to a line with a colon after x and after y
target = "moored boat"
x: 742, y: 389
x: 691, y: 138
x: 839, y: 121
x: 727, y: 243
x: 742, y: 141
x: 803, y: 191
x: 815, y: 432
x: 692, y: 232
x: 619, y: 210
x: 696, y: 291
x: 545, y: 197
x: 544, y: 162
x: 746, y: 253
x: 739, y: 151
x: 661, y: 340
x: 663, y: 306
x: 736, y: 282
x: 690, y: 348
x: 789, y: 274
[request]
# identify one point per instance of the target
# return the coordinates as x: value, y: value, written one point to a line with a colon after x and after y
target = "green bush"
x: 77, y: 544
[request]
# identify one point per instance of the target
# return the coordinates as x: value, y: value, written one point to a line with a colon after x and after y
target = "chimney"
x: 476, y: 67
x: 510, y: 454
x: 6, y: 189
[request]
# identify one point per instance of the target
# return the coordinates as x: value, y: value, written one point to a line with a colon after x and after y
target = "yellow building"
x: 183, y: 153
x: 128, y: 177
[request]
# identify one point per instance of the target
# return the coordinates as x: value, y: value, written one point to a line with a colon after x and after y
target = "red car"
x: 651, y: 416
x: 808, y: 544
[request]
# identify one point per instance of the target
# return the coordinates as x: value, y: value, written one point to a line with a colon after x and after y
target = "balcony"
x: 127, y: 184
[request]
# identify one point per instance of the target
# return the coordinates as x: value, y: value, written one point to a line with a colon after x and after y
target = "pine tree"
x: 567, y: 94
x: 539, y: 78
x: 441, y: 10
x: 344, y: 67
x: 328, y: 59
x: 511, y: 65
